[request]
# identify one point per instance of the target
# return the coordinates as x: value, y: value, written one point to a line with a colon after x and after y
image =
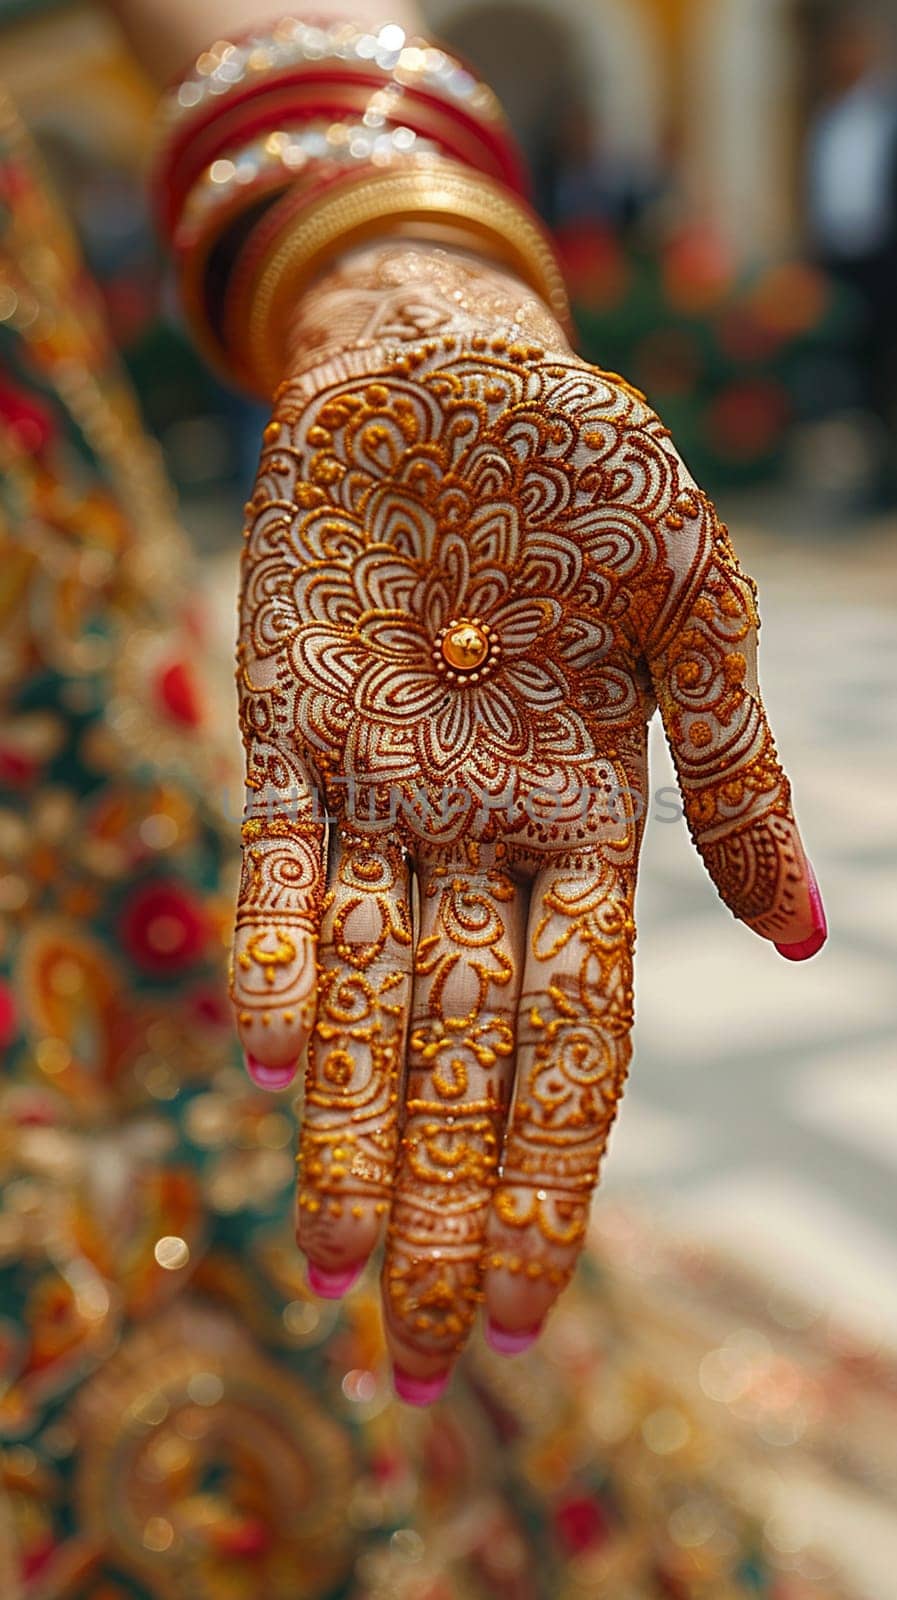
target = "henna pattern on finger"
x: 573, y: 1056
x: 279, y: 899
x: 460, y: 1066
x: 273, y: 965
x: 349, y: 1134
x: 737, y: 798
x: 762, y: 868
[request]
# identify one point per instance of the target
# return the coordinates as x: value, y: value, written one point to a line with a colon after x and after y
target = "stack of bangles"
x: 278, y: 153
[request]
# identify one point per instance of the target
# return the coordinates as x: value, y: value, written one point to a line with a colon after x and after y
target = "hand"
x: 473, y: 566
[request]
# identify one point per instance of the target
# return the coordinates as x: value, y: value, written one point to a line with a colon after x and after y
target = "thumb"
x: 737, y: 797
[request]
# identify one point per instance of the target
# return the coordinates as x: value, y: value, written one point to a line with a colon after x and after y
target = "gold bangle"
x: 192, y: 266
x: 433, y: 199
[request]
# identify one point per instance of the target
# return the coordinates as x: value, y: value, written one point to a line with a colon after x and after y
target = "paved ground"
x: 763, y: 1103
x: 762, y: 1111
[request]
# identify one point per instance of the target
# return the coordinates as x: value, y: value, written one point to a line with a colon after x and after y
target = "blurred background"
x: 721, y: 176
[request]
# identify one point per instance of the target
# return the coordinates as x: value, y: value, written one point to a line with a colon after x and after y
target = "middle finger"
x: 460, y: 1071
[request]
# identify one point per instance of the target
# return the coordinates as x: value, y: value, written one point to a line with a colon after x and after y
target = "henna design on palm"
x: 473, y: 567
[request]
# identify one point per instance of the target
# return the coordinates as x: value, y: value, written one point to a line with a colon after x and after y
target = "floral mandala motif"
x: 431, y: 506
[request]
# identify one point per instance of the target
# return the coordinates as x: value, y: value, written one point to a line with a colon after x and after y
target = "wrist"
x: 428, y: 201
x: 397, y: 292
x: 280, y: 155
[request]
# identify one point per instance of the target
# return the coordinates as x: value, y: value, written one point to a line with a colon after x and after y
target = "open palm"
x: 473, y: 567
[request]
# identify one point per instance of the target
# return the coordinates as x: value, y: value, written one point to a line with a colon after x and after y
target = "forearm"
x: 166, y: 34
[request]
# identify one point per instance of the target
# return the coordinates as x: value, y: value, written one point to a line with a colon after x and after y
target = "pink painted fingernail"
x: 805, y: 948
x: 332, y: 1285
x: 269, y: 1077
x: 506, y: 1343
x: 419, y: 1391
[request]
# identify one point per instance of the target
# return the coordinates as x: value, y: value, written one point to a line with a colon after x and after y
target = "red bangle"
x: 236, y: 88
x: 325, y: 94
x: 288, y: 42
x: 331, y: 96
x: 256, y: 248
x: 284, y: 157
x: 211, y: 213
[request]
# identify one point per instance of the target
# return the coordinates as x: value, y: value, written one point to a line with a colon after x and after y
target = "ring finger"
x: 573, y: 1054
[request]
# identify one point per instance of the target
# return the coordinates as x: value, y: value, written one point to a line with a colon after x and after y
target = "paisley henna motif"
x: 473, y: 566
